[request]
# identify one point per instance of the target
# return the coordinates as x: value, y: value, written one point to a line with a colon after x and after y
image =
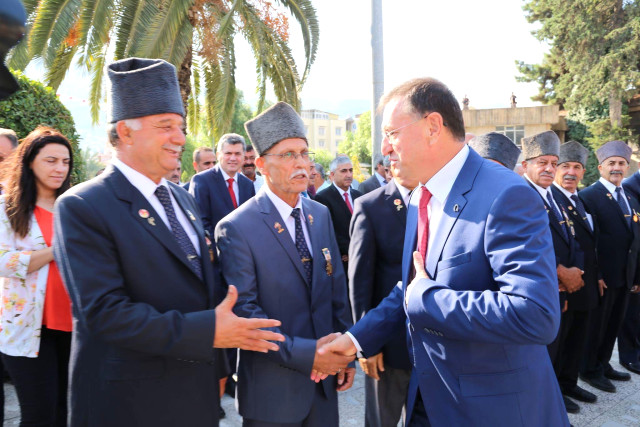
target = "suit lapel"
x: 410, y: 239
x: 553, y: 221
x: 571, y: 211
x: 339, y: 200
x: 317, y: 240
x: 222, y: 188
x: 612, y: 201
x: 395, y: 202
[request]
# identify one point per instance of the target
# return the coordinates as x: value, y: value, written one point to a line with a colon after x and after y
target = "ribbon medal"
x: 327, y: 258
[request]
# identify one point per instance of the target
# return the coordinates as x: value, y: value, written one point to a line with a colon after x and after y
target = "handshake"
x: 334, y: 352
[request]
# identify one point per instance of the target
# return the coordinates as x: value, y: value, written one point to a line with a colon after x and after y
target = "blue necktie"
x: 623, y: 206
x: 557, y: 214
x: 301, y: 246
x: 178, y: 232
x: 580, y: 208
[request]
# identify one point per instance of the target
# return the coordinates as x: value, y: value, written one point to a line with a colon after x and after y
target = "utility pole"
x: 378, y: 77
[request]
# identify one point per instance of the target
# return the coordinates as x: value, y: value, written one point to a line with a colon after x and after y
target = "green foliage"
x: 187, y: 157
x: 33, y: 105
x: 242, y: 113
x: 323, y: 157
x: 578, y: 132
x: 358, y: 145
x: 91, y: 164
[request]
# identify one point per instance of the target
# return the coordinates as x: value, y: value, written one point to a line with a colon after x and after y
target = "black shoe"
x: 612, y: 374
x: 633, y: 367
x: 571, y: 406
x: 580, y: 394
x: 601, y: 383
x: 222, y: 414
x: 230, y: 387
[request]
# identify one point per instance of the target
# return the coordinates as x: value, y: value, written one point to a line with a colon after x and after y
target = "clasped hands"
x: 333, y: 353
x: 569, y: 279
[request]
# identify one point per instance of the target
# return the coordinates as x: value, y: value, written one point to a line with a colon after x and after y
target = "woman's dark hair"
x: 20, y: 189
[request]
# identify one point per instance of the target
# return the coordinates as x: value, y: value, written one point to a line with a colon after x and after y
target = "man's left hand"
x: 345, y: 379
x: 421, y: 273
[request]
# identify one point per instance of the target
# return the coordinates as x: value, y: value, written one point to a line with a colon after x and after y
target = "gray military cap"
x: 541, y: 144
x: 614, y: 148
x: 573, y: 151
x: 496, y: 146
x: 278, y: 122
x: 143, y: 87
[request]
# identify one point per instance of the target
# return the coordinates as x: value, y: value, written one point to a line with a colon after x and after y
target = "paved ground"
x: 612, y: 409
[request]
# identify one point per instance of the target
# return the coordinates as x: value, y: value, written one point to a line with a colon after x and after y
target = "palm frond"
x: 178, y: 47
x: 96, y: 69
x: 20, y: 56
x: 136, y: 17
x: 54, y: 19
x: 164, y: 28
x: 96, y: 22
x: 305, y: 14
x: 58, y: 69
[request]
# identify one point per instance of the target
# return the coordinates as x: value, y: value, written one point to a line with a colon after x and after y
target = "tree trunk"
x: 184, y: 78
x: 615, y: 110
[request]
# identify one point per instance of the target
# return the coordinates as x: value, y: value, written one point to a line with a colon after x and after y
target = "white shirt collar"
x: 611, y: 188
x: 404, y: 192
x: 380, y: 178
x: 441, y: 183
x: 226, y: 176
x: 282, y: 207
x: 565, y: 191
x: 341, y: 191
x: 143, y: 183
x: 543, y: 191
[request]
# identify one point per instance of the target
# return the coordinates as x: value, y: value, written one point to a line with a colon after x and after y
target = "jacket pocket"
x: 493, y: 384
x: 454, y: 261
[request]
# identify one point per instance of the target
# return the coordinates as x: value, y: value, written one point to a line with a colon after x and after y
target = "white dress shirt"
x: 285, y: 210
x: 569, y: 194
x: 611, y: 188
x: 236, y: 190
x: 258, y: 183
x: 543, y: 192
x: 148, y: 188
x: 404, y: 192
x: 341, y: 191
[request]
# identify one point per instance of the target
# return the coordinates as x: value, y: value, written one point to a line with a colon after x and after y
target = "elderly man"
x: 133, y: 256
x: 496, y: 147
x: 616, y: 217
x: 484, y: 300
x: 249, y: 167
x: 377, y: 180
x: 204, y: 158
x: 339, y: 199
x: 222, y: 189
x: 320, y: 182
x: 286, y: 266
x: 174, y: 174
x: 8, y: 143
x: 574, y: 327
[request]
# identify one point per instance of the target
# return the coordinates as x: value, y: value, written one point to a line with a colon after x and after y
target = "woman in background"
x: 35, y: 310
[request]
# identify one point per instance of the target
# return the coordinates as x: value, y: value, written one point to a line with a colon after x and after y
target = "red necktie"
x: 423, y: 222
x: 346, y: 199
x: 232, y: 193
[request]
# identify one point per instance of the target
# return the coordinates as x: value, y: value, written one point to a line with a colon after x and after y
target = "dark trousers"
x: 573, y: 339
x: 418, y: 417
x: 629, y: 335
x: 605, y: 324
x: 41, y: 382
x: 386, y: 398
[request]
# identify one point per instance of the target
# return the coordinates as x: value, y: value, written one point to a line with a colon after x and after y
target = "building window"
x: 321, y: 130
x: 338, y: 131
x: 321, y: 143
x: 514, y: 133
x: 337, y: 143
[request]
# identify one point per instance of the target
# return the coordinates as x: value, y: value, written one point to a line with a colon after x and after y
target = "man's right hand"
x: 328, y: 363
x: 340, y: 346
x: 570, y: 278
x: 372, y: 365
x: 238, y: 332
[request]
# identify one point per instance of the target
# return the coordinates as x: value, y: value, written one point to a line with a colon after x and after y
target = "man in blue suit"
x: 221, y: 189
x: 279, y: 249
x: 484, y: 300
x: 131, y: 249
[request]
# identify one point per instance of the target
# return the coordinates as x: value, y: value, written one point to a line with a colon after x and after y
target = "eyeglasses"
x: 392, y: 133
x: 290, y: 156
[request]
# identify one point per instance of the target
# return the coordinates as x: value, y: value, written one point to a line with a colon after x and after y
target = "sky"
x: 469, y: 45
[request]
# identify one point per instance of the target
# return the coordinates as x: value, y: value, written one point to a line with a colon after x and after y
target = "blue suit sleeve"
x: 524, y: 310
x: 200, y: 191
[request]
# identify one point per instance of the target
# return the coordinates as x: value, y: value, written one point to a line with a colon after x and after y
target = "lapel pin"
x: 398, y: 204
x: 570, y: 208
x: 327, y: 258
x: 191, y: 216
x: 609, y: 196
x: 278, y: 227
x: 310, y: 217
x: 152, y: 220
x: 456, y: 208
x: 143, y: 213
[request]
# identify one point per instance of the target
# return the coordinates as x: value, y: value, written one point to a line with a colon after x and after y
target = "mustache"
x: 549, y: 174
x: 299, y: 172
x: 249, y: 165
x: 569, y: 176
x: 615, y: 173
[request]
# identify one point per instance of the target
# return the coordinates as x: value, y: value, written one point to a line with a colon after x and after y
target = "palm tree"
x: 197, y: 36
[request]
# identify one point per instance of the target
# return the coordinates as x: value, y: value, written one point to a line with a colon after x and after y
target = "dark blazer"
x: 265, y: 266
x: 618, y: 245
x: 186, y: 185
x: 340, y: 215
x: 587, y: 297
x: 212, y: 194
x: 369, y: 184
x: 631, y: 186
x: 375, y: 259
x: 144, y: 322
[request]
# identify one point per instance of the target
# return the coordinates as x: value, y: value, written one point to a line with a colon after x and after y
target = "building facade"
x: 324, y: 130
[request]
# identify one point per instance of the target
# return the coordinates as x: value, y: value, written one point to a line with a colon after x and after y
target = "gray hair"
x: 196, y: 153
x: 112, y: 131
x: 319, y: 169
x: 231, y: 139
x: 340, y: 160
x: 379, y: 160
x: 10, y: 135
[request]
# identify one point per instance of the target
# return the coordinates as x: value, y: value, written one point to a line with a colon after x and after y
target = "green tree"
x: 91, y: 163
x: 594, y: 56
x: 197, y: 36
x: 34, y: 105
x: 358, y: 145
x: 323, y: 157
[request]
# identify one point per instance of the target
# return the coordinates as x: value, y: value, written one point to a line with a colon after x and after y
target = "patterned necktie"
x: 301, y: 246
x: 346, y: 199
x: 580, y: 208
x: 557, y: 215
x: 178, y: 232
x: 232, y: 193
x: 623, y: 206
x: 423, y: 222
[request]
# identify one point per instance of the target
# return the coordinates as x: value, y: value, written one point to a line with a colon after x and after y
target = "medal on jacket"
x: 635, y: 216
x: 569, y: 223
x: 327, y: 258
x: 209, y: 245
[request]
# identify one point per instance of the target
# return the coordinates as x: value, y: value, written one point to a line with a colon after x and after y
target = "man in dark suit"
x: 377, y: 180
x: 616, y: 216
x: 375, y: 266
x: 221, y: 189
x: 280, y: 251
x: 339, y: 198
x: 131, y: 249
x: 204, y: 158
x: 541, y: 152
x: 573, y: 335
